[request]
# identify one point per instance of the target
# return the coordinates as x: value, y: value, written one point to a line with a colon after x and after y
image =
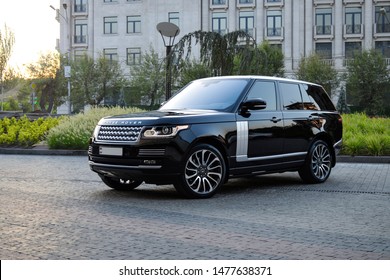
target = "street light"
x: 67, y: 68
x: 168, y: 31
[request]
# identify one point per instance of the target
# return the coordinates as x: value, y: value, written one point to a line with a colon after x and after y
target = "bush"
x: 23, y: 132
x: 74, y: 132
x: 365, y: 136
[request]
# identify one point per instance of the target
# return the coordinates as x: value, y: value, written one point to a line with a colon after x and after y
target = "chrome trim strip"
x: 91, y: 163
x: 338, y: 143
x: 245, y: 158
x: 242, y: 140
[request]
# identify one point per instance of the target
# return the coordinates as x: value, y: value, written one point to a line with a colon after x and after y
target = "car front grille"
x: 119, y: 133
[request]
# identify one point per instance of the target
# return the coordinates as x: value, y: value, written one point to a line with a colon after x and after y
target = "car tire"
x: 120, y: 184
x: 318, y: 163
x: 203, y: 173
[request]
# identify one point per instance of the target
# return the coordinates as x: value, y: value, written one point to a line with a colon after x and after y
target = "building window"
x: 134, y: 24
x: 110, y: 25
x: 324, y: 50
x: 174, y: 18
x: 245, y: 2
x: 79, y: 54
x: 110, y: 1
x: 80, y: 31
x: 247, y: 22
x: 351, y: 48
x: 219, y: 23
x: 219, y: 2
x: 111, y: 54
x: 383, y: 47
x: 80, y: 6
x: 273, y: 1
x: 274, y: 23
x: 324, y: 21
x: 133, y: 56
x: 382, y: 19
x: 353, y: 20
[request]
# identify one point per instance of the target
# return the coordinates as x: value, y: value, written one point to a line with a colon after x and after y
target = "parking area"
x: 54, y: 207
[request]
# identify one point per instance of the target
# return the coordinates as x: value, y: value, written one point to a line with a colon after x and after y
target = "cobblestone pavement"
x: 54, y: 207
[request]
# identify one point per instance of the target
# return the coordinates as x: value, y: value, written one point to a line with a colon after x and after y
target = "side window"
x: 291, y: 94
x: 308, y: 102
x: 266, y: 91
x: 318, y: 97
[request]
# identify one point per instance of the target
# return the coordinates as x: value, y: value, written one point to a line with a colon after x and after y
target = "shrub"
x: 74, y: 132
x: 23, y: 132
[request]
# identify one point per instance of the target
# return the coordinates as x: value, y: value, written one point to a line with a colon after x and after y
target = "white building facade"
x: 124, y: 29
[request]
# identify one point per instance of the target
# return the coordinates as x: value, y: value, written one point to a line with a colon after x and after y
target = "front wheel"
x: 204, y: 172
x: 120, y: 184
x: 318, y: 164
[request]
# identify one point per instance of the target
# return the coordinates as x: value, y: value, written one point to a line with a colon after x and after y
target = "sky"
x: 34, y: 26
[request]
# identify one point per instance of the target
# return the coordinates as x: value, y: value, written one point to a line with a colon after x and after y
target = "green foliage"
x: 191, y: 71
x: 365, y: 136
x: 216, y: 51
x: 95, y: 81
x: 74, y: 132
x: 265, y: 59
x: 342, y: 105
x: 23, y: 132
x: 148, y: 80
x: 314, y: 69
x: 368, y: 82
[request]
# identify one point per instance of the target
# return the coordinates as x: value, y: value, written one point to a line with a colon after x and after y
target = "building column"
x: 338, y: 34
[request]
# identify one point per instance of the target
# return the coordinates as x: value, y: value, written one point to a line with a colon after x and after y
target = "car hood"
x: 160, y: 117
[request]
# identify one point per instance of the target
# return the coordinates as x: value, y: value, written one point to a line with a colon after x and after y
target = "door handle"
x: 275, y: 119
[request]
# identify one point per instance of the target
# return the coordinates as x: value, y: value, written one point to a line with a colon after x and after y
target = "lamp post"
x: 168, y: 32
x: 67, y: 68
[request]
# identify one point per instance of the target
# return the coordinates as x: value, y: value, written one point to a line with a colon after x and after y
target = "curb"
x: 43, y: 150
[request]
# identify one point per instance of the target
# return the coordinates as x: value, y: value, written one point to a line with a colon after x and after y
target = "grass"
x: 363, y: 135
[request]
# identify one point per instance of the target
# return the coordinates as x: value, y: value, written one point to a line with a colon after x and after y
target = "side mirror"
x: 253, y: 104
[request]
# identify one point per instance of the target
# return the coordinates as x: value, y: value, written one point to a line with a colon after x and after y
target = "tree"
x: 368, y: 81
x: 48, y: 76
x: 264, y: 59
x: 95, y: 81
x: 148, y: 78
x: 7, y: 40
x: 191, y: 71
x: 313, y: 69
x: 216, y: 51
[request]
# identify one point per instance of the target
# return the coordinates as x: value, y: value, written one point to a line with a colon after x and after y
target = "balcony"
x: 274, y: 33
x: 381, y: 30
x: 353, y: 31
x: 218, y: 4
x: 323, y: 32
x: 273, y: 3
x: 246, y: 4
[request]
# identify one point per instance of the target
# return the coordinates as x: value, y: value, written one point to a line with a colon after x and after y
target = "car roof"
x: 258, y: 77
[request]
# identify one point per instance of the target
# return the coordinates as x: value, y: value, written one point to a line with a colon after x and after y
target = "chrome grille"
x: 119, y: 133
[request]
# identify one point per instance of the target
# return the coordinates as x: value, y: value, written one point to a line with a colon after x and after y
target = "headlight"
x: 96, y: 131
x: 163, y: 131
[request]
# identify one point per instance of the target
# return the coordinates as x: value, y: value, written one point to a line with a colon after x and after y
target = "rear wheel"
x: 204, y: 172
x: 318, y: 164
x: 120, y: 184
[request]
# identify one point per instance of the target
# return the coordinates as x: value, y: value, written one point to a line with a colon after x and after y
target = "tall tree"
x: 368, y: 81
x: 264, y: 59
x: 7, y: 40
x: 313, y: 69
x: 49, y: 79
x: 216, y: 51
x: 148, y: 78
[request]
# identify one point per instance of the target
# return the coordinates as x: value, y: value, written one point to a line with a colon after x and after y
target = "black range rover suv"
x: 218, y: 128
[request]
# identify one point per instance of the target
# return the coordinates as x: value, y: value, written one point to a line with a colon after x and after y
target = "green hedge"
x: 363, y: 135
x: 23, y: 132
x: 74, y: 132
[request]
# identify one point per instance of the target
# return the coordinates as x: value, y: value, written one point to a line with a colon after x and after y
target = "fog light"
x: 150, y: 161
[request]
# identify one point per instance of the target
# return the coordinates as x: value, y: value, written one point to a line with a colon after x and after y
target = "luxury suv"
x: 217, y: 128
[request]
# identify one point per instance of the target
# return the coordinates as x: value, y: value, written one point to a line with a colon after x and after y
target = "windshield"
x: 208, y: 94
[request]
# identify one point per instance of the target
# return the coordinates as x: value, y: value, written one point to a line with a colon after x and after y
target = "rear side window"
x: 315, y: 98
x: 291, y: 94
x: 266, y: 91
